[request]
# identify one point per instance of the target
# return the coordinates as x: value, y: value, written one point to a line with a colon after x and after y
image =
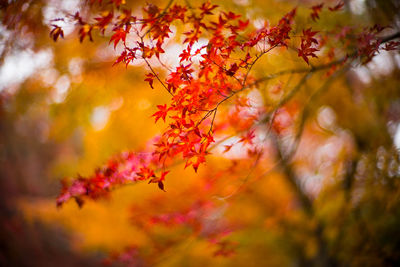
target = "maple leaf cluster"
x: 120, y: 170
x: 207, y: 76
x: 271, y: 97
x: 306, y: 48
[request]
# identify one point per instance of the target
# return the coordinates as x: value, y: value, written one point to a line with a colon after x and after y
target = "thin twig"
x: 156, y: 75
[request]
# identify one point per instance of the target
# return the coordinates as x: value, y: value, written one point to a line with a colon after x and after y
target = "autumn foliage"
x: 208, y: 74
x: 250, y: 107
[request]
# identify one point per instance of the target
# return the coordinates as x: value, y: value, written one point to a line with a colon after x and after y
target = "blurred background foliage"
x: 65, y: 110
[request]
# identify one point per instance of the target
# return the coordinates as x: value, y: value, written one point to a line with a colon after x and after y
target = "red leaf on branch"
x: 392, y: 45
x: 185, y: 55
x: 145, y: 173
x: 150, y: 78
x: 104, y: 21
x: 162, y: 113
x: 206, y: 8
x: 120, y: 34
x: 337, y: 7
x: 161, y: 185
x: 307, y: 41
x: 315, y: 11
x: 243, y: 24
x: 231, y: 16
x: 85, y: 30
x: 227, y: 148
x: 248, y: 138
x: 56, y: 32
x: 232, y: 70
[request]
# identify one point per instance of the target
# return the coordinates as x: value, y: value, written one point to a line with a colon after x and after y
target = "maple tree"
x: 221, y: 104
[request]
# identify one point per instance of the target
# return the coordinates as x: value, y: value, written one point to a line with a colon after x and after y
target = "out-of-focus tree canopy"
x: 304, y: 168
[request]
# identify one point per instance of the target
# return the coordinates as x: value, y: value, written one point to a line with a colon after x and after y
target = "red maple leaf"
x: 120, y: 34
x: 150, y: 79
x: 85, y: 30
x: 392, y: 45
x: 248, y: 138
x: 206, y: 8
x: 162, y: 113
x: 185, y: 55
x: 227, y: 148
x: 337, y: 7
x: 145, y: 173
x: 243, y: 24
x: 315, y: 11
x: 104, y: 21
x: 56, y: 32
x: 307, y: 40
